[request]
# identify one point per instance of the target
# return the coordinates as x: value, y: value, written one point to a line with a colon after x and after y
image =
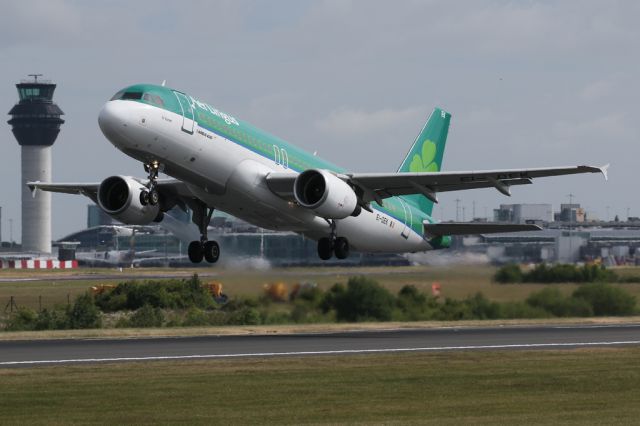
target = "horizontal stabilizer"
x: 471, y: 228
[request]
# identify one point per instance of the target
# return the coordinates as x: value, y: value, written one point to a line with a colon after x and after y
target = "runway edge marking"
x: 329, y: 352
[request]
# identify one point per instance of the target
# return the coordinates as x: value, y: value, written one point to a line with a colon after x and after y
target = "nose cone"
x: 113, y: 121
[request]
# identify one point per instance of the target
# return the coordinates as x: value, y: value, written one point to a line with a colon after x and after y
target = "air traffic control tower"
x: 35, y: 122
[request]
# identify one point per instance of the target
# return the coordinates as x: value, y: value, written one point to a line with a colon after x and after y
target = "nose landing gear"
x: 333, y: 245
x: 203, y: 249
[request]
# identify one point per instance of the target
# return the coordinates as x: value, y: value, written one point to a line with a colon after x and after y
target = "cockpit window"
x: 131, y: 95
x: 153, y: 99
x: 117, y: 95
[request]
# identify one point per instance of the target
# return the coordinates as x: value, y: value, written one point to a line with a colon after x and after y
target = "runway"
x: 51, y: 352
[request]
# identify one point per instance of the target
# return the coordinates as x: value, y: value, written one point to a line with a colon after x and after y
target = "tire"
x: 154, y: 197
x: 341, y: 248
x: 325, y: 248
x: 144, y: 197
x: 211, y: 251
x: 195, y: 251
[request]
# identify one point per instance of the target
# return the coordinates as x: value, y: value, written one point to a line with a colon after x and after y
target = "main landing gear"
x: 203, y: 249
x: 151, y: 195
x: 333, y: 245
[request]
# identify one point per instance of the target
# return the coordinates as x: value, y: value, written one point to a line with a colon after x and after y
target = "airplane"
x: 129, y: 257
x: 216, y: 161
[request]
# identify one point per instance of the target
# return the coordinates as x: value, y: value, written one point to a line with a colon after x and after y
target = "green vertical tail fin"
x: 426, y: 153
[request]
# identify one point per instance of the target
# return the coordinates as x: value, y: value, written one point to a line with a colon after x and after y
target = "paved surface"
x: 104, y: 276
x: 48, y: 352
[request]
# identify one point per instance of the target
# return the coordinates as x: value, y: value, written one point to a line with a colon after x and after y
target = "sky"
x: 529, y: 84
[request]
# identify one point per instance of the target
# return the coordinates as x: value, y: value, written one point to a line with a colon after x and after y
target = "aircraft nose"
x: 111, y: 119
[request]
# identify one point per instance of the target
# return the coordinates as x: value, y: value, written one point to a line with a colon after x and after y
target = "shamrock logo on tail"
x: 425, y: 162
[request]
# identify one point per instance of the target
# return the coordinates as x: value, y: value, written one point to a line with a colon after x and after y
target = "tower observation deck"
x: 35, y: 122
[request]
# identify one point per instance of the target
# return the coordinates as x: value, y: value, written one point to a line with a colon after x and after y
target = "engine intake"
x: 119, y: 197
x: 326, y: 194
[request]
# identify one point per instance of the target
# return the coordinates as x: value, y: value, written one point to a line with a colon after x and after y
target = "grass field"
x: 456, y: 281
x: 595, y: 386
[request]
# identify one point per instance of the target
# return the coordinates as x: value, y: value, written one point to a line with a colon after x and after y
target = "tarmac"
x: 25, y: 353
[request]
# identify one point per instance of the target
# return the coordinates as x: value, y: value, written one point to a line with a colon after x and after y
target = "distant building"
x: 97, y: 217
x: 571, y: 213
x: 523, y: 213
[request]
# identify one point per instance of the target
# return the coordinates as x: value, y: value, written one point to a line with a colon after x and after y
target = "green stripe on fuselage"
x: 262, y: 143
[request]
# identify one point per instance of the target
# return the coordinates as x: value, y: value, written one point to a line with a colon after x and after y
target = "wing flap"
x: 470, y: 228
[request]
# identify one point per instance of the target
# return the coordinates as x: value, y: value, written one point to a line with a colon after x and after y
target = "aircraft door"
x: 188, y: 114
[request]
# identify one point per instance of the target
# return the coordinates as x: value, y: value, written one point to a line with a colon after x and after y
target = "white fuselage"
x: 229, y: 177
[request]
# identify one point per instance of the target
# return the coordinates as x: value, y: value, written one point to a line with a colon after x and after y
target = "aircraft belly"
x: 367, y: 232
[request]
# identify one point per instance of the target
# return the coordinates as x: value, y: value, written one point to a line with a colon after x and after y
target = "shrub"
x: 52, y: 319
x: 244, y: 316
x: 336, y: 292
x: 146, y: 316
x: 195, y: 317
x: 415, y: 305
x: 172, y: 294
x: 24, y: 319
x: 569, y: 273
x: 510, y: 273
x: 453, y: 310
x: 482, y: 308
x: 521, y: 310
x: 312, y: 295
x: 606, y: 299
x: 552, y: 301
x: 84, y: 313
x: 364, y: 299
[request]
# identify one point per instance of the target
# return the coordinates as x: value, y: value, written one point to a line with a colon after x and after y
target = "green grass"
x: 595, y: 386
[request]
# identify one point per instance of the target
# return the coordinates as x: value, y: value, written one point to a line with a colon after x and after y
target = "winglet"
x: 33, y: 186
x: 605, y: 171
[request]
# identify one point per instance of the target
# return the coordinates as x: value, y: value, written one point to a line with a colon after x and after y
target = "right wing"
x: 172, y: 188
x: 87, y: 189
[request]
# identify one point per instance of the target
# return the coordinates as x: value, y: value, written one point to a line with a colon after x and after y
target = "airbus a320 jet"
x: 216, y: 161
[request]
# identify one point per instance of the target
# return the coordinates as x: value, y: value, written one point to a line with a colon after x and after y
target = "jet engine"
x: 119, y: 197
x: 326, y: 194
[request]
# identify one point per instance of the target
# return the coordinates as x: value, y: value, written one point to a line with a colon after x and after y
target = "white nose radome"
x: 113, y: 119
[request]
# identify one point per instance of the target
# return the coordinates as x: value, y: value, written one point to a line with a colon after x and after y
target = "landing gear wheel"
x: 144, y: 197
x: 195, y: 251
x: 154, y: 197
x: 341, y: 248
x: 325, y: 248
x: 211, y: 251
x: 204, y: 248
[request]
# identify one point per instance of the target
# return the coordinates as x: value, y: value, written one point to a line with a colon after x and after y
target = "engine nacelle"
x: 326, y: 194
x: 119, y: 197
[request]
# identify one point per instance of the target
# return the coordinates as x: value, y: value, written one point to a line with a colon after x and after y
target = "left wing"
x: 378, y: 186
